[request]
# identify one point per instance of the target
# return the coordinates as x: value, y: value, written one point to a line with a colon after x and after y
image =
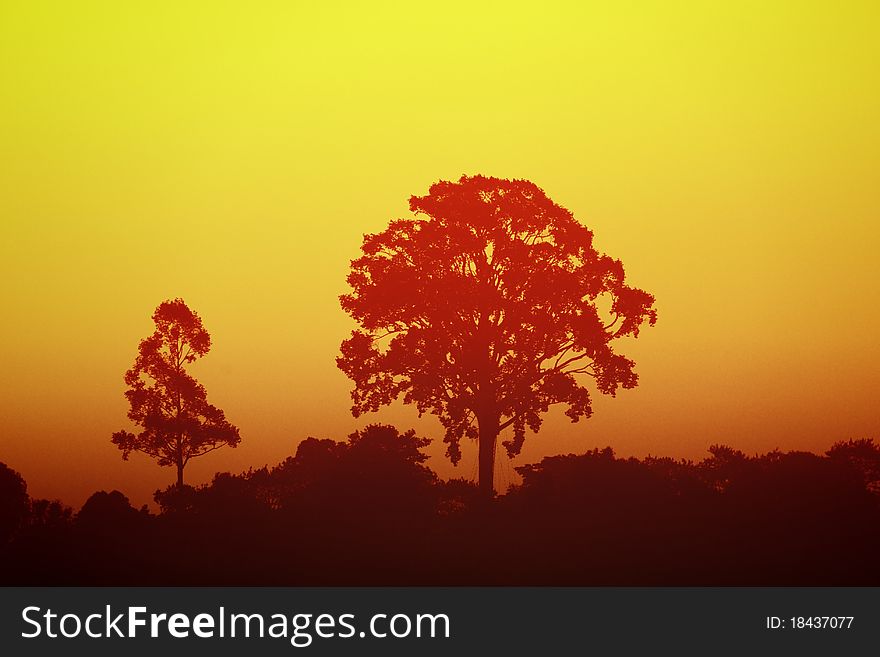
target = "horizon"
x: 730, y: 163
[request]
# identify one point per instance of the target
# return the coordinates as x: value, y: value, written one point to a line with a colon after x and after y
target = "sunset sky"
x: 234, y: 154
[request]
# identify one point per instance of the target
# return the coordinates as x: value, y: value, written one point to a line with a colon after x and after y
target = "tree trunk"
x: 487, y: 439
x: 179, y: 474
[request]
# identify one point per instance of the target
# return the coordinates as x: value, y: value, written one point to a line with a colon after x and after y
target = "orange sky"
x: 234, y: 154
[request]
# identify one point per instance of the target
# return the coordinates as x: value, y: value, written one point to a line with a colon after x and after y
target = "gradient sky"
x: 233, y: 154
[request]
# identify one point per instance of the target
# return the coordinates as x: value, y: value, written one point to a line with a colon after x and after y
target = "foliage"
x: 367, y: 511
x: 14, y: 502
x: 485, y: 310
x: 171, y: 406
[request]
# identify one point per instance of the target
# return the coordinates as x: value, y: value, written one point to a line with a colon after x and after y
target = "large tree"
x: 170, y: 405
x: 485, y: 309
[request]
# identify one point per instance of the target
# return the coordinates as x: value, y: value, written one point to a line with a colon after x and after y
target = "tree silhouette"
x: 14, y: 502
x: 378, y: 471
x: 109, y: 513
x: 178, y: 423
x: 494, y: 303
x: 863, y: 455
x: 368, y: 512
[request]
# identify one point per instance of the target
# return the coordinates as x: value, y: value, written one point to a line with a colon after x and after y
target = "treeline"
x: 369, y: 512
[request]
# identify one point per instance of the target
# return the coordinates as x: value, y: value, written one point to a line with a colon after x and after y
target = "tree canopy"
x: 488, y: 307
x: 170, y: 405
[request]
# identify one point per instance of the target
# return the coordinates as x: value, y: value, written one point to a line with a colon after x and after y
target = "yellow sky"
x: 233, y: 154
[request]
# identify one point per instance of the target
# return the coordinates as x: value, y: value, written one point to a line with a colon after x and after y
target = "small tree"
x: 178, y: 423
x: 496, y: 305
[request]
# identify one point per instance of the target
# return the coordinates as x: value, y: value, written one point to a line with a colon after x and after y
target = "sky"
x: 234, y: 155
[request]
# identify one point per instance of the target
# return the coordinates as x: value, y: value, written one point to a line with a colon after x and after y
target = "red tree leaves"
x: 178, y: 423
x: 488, y: 306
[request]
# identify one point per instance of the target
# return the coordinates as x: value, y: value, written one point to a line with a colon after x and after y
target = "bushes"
x: 368, y: 511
